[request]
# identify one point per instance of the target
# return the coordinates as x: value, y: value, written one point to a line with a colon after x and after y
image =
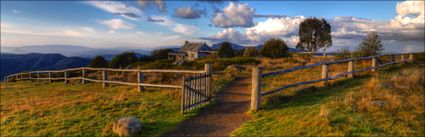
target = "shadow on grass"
x: 314, y: 95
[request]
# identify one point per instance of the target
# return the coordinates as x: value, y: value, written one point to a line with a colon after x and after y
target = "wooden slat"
x: 291, y: 85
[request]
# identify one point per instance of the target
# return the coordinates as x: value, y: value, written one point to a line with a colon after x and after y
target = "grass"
x: 42, y: 109
x: 387, y: 104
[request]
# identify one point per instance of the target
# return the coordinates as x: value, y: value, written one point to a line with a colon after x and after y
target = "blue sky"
x: 149, y: 24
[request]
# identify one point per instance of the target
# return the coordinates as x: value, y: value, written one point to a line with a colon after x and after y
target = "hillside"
x: 387, y: 104
x: 13, y: 63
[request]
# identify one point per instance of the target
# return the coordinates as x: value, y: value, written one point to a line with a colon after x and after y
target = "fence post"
x: 350, y: 69
x: 21, y: 77
x: 104, y: 77
x: 38, y: 77
x: 402, y: 57
x: 325, y: 72
x: 29, y: 74
x: 411, y: 57
x: 182, y: 104
x: 256, y: 89
x: 50, y: 77
x: 140, y: 79
x: 208, y: 70
x: 65, y: 75
x: 374, y: 64
x: 83, y: 76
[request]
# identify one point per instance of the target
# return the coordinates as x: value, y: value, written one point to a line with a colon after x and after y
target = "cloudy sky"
x: 156, y: 23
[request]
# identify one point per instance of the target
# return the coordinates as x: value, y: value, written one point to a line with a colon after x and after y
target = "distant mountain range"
x: 14, y: 63
x: 234, y: 46
x: 72, y: 51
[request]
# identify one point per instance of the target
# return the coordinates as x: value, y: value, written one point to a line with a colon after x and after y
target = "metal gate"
x: 196, y: 91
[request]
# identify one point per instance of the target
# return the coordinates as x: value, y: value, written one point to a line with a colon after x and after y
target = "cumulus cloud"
x: 229, y: 35
x: 188, y: 13
x: 410, y: 15
x: 115, y: 24
x: 274, y: 28
x: 117, y: 8
x: 160, y: 4
x: 176, y: 27
x: 234, y: 15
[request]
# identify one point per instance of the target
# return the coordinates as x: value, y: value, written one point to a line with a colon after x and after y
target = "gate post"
x: 50, y: 77
x: 374, y: 64
x: 182, y: 103
x: 350, y: 69
x: 208, y: 70
x: 140, y: 79
x: 105, y: 77
x: 256, y: 89
x: 325, y: 71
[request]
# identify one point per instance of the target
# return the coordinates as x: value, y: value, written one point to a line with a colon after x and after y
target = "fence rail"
x: 35, y: 75
x: 257, y: 75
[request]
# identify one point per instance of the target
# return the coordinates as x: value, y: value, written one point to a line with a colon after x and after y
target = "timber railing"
x: 257, y: 75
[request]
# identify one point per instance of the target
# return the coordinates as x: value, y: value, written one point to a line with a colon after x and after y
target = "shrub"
x: 250, y: 52
x: 98, y: 62
x: 225, y: 50
x: 274, y: 48
x: 123, y: 60
x: 161, y: 53
x: 343, y: 53
x: 371, y: 45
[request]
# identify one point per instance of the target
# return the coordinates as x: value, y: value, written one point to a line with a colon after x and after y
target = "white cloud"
x: 118, y: 8
x: 115, y: 24
x: 16, y: 11
x: 410, y: 15
x: 59, y: 32
x: 274, y: 28
x: 234, y: 15
x: 160, y: 4
x: 176, y: 27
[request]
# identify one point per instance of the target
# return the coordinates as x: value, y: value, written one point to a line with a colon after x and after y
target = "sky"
x: 157, y: 23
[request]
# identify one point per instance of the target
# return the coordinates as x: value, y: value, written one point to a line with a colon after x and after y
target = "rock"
x: 127, y: 126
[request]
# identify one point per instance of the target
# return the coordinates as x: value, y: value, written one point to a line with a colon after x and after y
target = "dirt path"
x: 223, y: 118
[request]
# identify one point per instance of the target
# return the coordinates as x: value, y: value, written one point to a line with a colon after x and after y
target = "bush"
x: 225, y: 50
x: 250, y: 52
x: 98, y: 62
x: 160, y: 54
x: 343, y: 53
x: 123, y: 60
x: 274, y: 48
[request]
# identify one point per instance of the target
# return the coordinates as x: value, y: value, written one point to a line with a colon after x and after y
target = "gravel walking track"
x: 224, y: 117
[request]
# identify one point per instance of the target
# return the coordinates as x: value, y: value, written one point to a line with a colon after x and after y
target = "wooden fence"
x: 196, y: 87
x: 257, y: 75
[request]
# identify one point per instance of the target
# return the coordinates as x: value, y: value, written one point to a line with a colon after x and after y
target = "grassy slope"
x: 31, y: 109
x: 363, y: 106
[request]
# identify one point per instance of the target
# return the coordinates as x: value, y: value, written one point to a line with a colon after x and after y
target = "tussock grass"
x: 390, y: 103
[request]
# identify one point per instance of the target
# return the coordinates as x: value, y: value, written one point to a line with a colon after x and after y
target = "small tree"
x: 225, y: 50
x: 274, y: 48
x: 123, y: 60
x: 371, y: 45
x: 250, y: 52
x: 343, y: 53
x: 98, y: 62
x: 314, y: 34
x: 161, y: 53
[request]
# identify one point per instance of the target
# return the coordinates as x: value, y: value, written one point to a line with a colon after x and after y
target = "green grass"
x: 346, y: 107
x: 31, y: 109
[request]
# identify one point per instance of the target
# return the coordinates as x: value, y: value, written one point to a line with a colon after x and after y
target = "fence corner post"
x: 208, y: 71
x: 325, y: 71
x: 256, y: 89
x: 350, y: 69
x: 50, y: 77
x: 373, y: 64
x: 140, y: 79
x: 65, y: 75
x: 83, y: 76
x: 104, y: 78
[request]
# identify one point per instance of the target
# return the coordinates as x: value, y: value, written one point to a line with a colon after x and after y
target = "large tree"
x: 371, y: 45
x: 274, y: 48
x: 314, y: 34
x: 98, y: 62
x: 225, y: 50
x: 123, y: 60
